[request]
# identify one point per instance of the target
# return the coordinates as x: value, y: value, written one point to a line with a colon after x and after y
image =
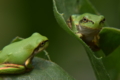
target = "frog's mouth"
x: 38, y: 49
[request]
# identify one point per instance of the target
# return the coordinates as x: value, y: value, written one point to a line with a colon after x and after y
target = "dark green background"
x: 24, y: 17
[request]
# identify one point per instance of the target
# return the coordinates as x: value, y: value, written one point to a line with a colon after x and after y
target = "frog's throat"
x: 88, y: 27
x: 87, y: 31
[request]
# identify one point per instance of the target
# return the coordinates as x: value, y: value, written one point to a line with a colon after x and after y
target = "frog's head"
x: 39, y: 42
x: 91, y: 21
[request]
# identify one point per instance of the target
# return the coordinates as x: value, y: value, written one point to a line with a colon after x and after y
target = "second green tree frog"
x: 87, y: 26
x: 16, y: 57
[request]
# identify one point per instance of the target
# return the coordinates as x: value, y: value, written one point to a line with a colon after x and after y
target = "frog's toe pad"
x: 79, y: 34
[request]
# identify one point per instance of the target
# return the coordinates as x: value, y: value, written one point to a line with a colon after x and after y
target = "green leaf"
x: 43, y: 70
x: 110, y: 45
x: 112, y: 64
x: 62, y: 10
x: 109, y: 39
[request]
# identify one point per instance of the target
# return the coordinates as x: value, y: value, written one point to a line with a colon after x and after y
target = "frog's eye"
x: 39, y: 46
x: 102, y: 21
x: 84, y: 20
x: 43, y: 43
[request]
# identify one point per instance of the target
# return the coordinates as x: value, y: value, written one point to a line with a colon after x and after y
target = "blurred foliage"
x: 23, y: 17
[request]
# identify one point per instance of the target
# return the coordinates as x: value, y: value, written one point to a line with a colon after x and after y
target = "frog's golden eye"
x: 84, y: 20
x: 102, y: 21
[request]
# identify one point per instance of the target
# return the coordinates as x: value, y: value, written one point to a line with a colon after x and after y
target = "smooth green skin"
x: 16, y: 57
x: 94, y: 18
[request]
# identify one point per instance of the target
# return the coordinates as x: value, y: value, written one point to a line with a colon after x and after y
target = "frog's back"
x: 16, y: 51
x: 19, y: 52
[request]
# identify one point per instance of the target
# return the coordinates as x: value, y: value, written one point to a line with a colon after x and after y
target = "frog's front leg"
x: 11, y: 68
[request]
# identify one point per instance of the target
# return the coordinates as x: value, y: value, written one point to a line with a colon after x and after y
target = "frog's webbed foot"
x: 95, y: 43
x: 79, y: 34
x: 69, y: 22
x: 96, y: 40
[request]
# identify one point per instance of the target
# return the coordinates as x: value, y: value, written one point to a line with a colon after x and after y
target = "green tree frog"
x: 16, y: 57
x: 87, y: 26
